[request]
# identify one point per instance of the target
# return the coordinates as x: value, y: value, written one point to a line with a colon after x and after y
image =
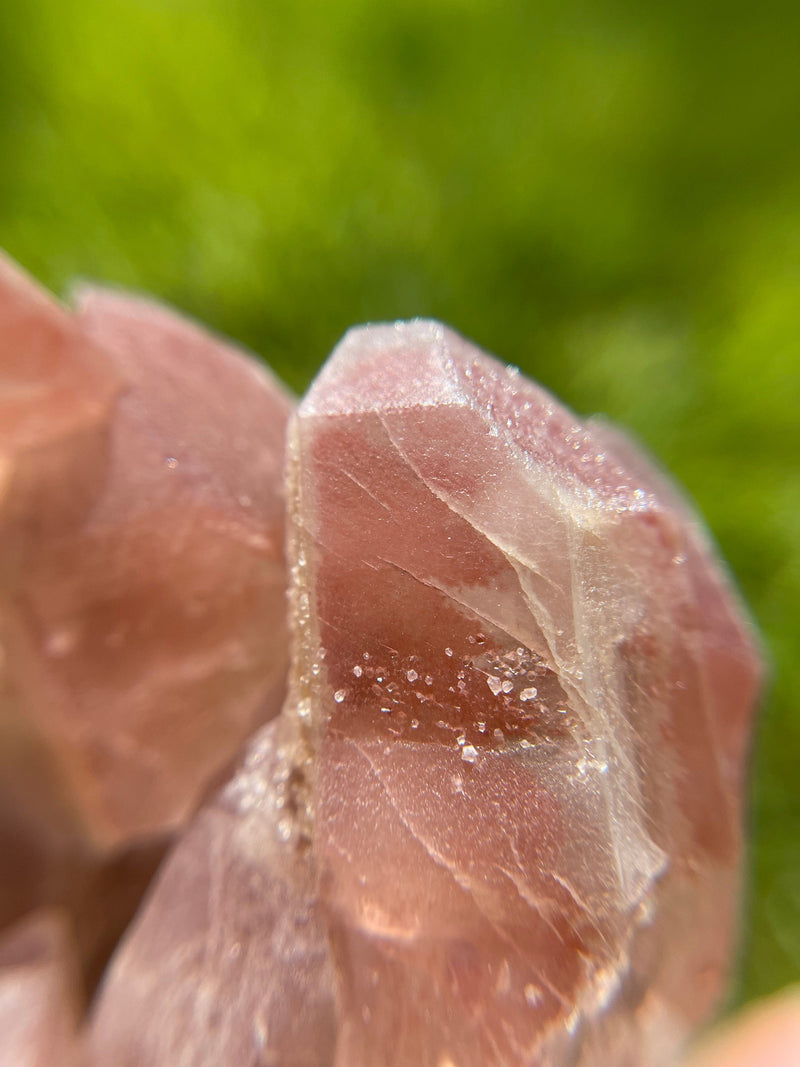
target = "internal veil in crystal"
x: 528, y: 688
x: 507, y: 783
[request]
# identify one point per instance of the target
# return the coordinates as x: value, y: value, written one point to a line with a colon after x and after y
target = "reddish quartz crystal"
x: 183, y: 603
x: 142, y: 589
x: 228, y: 962
x: 38, y: 994
x: 143, y: 509
x: 498, y: 822
x: 58, y: 392
x: 528, y: 687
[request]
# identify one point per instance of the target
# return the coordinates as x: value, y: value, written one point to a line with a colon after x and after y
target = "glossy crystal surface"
x: 227, y: 962
x: 142, y: 590
x: 528, y: 687
x: 498, y: 822
x: 142, y: 524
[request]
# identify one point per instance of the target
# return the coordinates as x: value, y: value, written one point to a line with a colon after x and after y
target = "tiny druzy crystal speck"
x: 497, y: 822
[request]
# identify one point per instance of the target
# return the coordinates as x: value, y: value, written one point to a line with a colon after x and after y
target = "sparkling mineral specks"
x: 497, y: 823
x: 530, y: 715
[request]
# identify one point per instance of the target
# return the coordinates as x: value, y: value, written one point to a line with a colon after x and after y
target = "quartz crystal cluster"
x: 142, y: 589
x: 497, y: 822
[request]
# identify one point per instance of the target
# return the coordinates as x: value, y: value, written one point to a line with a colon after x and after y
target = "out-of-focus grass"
x: 606, y: 193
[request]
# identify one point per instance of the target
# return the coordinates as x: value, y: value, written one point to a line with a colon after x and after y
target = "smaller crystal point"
x: 135, y: 587
x: 142, y: 590
x: 190, y: 532
x: 227, y: 962
x: 38, y: 1001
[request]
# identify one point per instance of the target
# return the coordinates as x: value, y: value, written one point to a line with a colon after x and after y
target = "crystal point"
x: 497, y: 823
x: 227, y: 962
x: 190, y: 532
x: 141, y: 511
x: 515, y: 862
x: 142, y: 589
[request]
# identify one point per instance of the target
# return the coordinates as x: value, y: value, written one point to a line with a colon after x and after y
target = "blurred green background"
x: 607, y: 194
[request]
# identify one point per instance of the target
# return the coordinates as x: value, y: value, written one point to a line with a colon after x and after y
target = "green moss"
x: 602, y: 192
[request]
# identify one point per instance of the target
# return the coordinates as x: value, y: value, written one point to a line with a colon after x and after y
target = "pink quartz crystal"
x: 183, y: 603
x: 58, y: 392
x: 505, y: 793
x: 228, y: 962
x: 38, y: 994
x: 142, y: 606
x: 529, y: 687
x: 142, y: 589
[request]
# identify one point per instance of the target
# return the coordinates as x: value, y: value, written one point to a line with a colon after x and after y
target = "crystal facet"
x: 142, y: 589
x: 142, y: 482
x: 527, y: 877
x: 507, y: 784
x: 228, y: 962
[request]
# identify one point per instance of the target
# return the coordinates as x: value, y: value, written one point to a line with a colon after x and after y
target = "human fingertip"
x: 767, y: 1034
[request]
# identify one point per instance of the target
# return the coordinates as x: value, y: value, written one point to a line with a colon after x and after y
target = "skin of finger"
x: 765, y: 1035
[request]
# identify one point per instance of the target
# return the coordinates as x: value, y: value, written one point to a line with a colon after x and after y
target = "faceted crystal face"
x: 57, y: 392
x: 497, y: 823
x: 142, y: 598
x: 528, y: 688
x: 142, y: 591
x: 227, y: 962
x: 187, y: 636
x: 57, y: 395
